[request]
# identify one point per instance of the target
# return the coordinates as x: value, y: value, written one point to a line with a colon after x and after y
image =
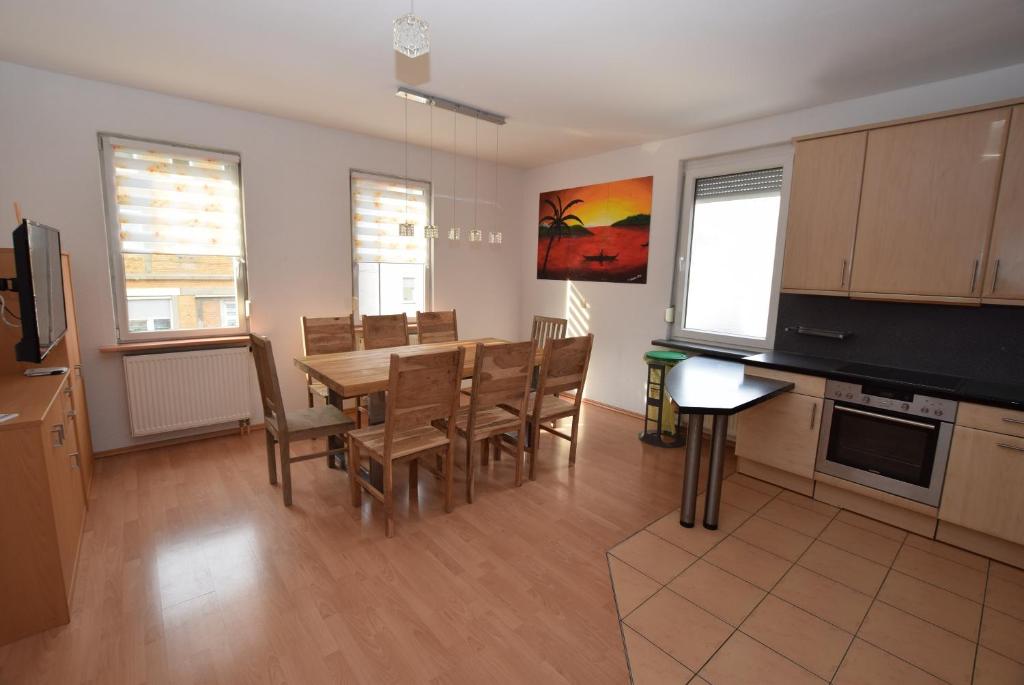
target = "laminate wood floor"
x: 193, y: 571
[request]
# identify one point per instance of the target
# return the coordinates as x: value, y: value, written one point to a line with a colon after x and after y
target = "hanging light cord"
x: 455, y: 164
x: 431, y: 162
x: 406, y: 188
x: 476, y: 173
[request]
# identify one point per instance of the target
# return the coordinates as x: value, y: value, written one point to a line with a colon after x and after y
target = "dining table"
x: 357, y: 373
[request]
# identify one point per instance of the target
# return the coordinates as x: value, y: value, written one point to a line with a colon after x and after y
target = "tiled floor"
x: 790, y: 591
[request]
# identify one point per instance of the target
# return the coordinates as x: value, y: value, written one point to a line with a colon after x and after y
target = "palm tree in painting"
x: 557, y: 224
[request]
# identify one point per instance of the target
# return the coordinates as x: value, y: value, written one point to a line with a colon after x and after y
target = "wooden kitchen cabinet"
x: 926, y: 208
x: 1004, y: 275
x: 781, y: 433
x: 984, y: 488
x: 824, y: 199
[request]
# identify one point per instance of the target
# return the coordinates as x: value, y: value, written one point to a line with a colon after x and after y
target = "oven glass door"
x: 888, y: 444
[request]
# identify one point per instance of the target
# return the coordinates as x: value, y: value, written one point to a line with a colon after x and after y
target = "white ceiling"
x: 575, y: 77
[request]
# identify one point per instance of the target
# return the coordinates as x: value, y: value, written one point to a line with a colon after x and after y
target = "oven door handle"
x: 885, y: 417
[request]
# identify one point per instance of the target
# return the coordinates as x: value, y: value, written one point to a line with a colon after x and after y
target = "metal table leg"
x: 715, y: 469
x: 376, y: 473
x: 691, y: 470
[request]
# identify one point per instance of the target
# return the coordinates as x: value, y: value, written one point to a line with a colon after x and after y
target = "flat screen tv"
x: 40, y: 285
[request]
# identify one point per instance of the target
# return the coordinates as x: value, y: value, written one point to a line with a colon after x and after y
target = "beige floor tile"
x: 995, y: 669
x: 1003, y: 633
x: 754, y: 484
x: 825, y: 598
x: 777, y: 539
x: 653, y: 556
x: 651, y: 666
x: 866, y: 664
x: 876, y: 527
x: 753, y: 565
x: 744, y: 661
x: 743, y: 497
x: 861, y: 542
x: 849, y: 569
x: 930, y: 648
x: 723, y: 594
x: 1010, y: 573
x: 806, y: 639
x: 798, y: 518
x: 679, y: 627
x: 963, y: 580
x: 1006, y: 596
x: 935, y: 605
x: 808, y: 503
x: 941, y: 549
x: 698, y: 540
x: 631, y: 587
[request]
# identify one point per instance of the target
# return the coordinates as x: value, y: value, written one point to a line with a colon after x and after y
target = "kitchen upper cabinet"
x: 927, y: 205
x: 823, y: 201
x: 781, y: 433
x: 1004, y: 276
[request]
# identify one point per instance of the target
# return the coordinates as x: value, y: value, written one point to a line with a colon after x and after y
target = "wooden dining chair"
x: 501, y: 376
x: 283, y: 427
x: 547, y: 328
x: 389, y: 330
x: 563, y: 369
x: 326, y: 335
x: 423, y: 391
x: 437, y: 327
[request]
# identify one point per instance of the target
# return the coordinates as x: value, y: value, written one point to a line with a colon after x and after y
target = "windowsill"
x: 706, y: 348
x: 171, y: 345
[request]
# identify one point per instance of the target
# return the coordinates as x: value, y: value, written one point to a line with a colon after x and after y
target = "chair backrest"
x: 502, y: 375
x: 423, y: 388
x: 328, y: 334
x: 547, y: 328
x: 266, y: 374
x: 390, y: 330
x: 437, y: 327
x: 564, y: 366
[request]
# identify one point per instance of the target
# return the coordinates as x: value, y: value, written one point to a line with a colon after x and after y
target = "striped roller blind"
x: 177, y: 201
x: 379, y: 205
x: 747, y: 183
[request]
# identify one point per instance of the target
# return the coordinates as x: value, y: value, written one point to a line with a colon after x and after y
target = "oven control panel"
x: 896, y: 400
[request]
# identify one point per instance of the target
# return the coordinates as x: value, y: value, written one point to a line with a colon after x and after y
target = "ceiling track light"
x: 422, y: 98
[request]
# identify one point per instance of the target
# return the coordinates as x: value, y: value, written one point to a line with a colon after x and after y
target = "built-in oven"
x: 886, y: 438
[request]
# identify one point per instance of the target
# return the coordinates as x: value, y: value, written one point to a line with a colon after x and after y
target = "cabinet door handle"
x: 974, y: 274
x: 75, y: 460
x: 995, y: 276
x: 72, y: 413
x: 1008, y: 446
x: 78, y: 370
x: 842, y: 277
x: 814, y: 415
x: 58, y: 435
x: 1007, y: 419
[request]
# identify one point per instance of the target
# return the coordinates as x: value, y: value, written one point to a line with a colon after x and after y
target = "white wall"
x: 625, y: 318
x: 296, y: 180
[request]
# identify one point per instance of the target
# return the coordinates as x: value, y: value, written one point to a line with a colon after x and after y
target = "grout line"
x: 981, y: 621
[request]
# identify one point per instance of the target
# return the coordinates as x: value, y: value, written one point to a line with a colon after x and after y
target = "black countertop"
x: 1006, y: 395
x: 705, y: 385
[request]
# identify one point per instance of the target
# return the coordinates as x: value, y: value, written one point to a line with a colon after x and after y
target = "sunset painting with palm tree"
x: 596, y: 233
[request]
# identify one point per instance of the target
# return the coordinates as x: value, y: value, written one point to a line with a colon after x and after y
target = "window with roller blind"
x: 177, y: 240
x: 730, y: 248
x: 391, y: 272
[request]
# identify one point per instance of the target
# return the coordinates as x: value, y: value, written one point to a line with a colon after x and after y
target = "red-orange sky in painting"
x: 605, y: 203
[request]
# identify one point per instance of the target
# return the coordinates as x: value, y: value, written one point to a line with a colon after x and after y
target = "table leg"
x: 715, y: 470
x: 691, y: 470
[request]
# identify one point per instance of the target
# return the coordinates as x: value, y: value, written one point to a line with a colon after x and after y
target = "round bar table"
x: 703, y: 385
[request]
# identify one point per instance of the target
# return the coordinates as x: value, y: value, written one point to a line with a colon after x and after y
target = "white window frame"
x: 119, y: 288
x: 750, y: 160
x: 428, y: 277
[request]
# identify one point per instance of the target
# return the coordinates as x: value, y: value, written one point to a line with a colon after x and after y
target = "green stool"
x: 663, y: 426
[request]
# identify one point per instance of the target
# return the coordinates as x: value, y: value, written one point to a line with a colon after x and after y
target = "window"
x: 730, y: 248
x: 177, y: 248
x: 392, y: 273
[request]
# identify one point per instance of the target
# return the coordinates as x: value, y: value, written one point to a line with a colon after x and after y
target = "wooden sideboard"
x: 45, y: 475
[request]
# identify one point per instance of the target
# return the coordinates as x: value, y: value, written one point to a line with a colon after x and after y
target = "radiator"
x: 178, y: 390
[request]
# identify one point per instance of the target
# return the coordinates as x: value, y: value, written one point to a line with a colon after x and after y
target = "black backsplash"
x: 983, y: 343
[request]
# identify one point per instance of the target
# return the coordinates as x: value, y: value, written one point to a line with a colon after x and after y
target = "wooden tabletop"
x: 352, y: 374
x: 702, y: 385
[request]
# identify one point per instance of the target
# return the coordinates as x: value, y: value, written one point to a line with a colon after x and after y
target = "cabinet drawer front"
x: 804, y: 384
x: 1006, y: 421
x: 984, y: 487
x: 782, y: 433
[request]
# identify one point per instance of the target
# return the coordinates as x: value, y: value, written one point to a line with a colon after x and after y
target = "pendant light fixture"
x: 495, y: 236
x: 453, y: 232
x: 430, y: 230
x: 406, y: 229
x: 475, y: 234
x: 411, y: 35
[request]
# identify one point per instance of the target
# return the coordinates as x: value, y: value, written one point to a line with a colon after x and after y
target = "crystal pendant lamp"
x: 411, y: 35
